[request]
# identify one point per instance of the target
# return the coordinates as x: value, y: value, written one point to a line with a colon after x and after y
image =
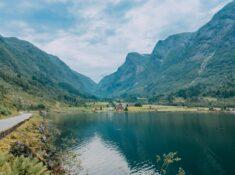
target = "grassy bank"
x: 27, y: 133
x: 31, y: 142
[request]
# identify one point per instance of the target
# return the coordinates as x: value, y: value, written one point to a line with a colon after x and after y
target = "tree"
x: 3, y: 92
x: 126, y: 108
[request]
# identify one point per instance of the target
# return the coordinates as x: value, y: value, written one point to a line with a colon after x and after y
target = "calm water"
x: 122, y: 143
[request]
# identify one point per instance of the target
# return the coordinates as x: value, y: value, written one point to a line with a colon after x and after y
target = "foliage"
x: 20, y: 149
x: 4, y: 111
x: 185, y: 98
x: 27, y: 69
x: 27, y: 133
x: 10, y: 165
x: 187, y: 65
x: 138, y: 105
x: 193, y: 91
x: 33, y: 139
x: 126, y: 108
x: 39, y: 106
x: 69, y: 88
x: 3, y: 92
x: 164, y: 162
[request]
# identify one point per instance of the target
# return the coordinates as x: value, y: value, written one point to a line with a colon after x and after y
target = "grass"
x: 144, y: 108
x: 163, y: 108
x: 87, y: 107
x: 6, y: 113
x: 102, y: 107
x: 39, y: 141
x: 61, y: 108
x: 27, y: 133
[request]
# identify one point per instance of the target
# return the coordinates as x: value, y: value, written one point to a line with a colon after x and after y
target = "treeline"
x: 198, y: 95
x: 40, y: 86
x: 224, y: 91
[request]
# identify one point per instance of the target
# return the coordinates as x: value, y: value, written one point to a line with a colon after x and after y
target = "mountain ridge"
x: 25, y: 66
x: 183, y: 61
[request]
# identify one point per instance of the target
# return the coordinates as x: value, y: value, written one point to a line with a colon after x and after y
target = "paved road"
x: 8, y: 123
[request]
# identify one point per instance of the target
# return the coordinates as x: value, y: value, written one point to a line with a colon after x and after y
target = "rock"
x: 20, y: 149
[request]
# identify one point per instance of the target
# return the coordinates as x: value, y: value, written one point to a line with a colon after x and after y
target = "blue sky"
x: 94, y: 36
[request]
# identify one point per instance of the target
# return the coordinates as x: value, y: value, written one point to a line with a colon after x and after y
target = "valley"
x: 180, y: 97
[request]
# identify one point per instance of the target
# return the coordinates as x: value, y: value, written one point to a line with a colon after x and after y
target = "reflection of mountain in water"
x: 204, y: 141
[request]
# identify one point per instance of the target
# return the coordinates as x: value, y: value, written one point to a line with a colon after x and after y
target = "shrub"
x: 41, y: 106
x: 20, y: 149
x: 138, y: 105
x: 4, y: 111
x: 3, y: 92
x: 10, y: 165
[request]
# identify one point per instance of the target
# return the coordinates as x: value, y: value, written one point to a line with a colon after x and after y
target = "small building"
x: 119, y: 107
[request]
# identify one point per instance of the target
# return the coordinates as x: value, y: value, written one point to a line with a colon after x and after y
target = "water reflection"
x: 107, y: 160
x: 124, y: 143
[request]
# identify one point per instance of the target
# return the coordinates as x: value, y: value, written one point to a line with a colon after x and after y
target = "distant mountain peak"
x: 227, y: 12
x: 134, y: 58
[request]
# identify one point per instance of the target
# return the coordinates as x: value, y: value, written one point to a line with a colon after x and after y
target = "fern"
x: 10, y: 165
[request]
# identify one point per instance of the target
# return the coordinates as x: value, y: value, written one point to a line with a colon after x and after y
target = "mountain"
x: 200, y: 63
x: 125, y: 77
x: 31, y: 70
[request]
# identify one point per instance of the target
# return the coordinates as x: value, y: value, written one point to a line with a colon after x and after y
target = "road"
x: 8, y: 123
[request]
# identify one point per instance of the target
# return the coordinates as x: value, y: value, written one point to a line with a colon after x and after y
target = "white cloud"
x: 83, y: 56
x: 157, y: 19
x: 144, y: 26
x: 97, y: 42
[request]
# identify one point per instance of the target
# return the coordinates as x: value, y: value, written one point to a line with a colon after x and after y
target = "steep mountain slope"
x: 30, y: 69
x: 126, y: 76
x: 202, y: 62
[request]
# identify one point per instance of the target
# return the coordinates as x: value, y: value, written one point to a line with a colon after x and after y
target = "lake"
x: 127, y: 143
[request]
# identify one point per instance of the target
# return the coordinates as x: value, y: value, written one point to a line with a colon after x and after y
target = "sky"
x: 94, y: 36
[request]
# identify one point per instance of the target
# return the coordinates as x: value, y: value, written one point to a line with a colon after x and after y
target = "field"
x: 163, y: 108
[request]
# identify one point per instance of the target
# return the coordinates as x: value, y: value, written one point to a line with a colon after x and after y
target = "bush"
x: 138, y: 105
x: 41, y: 106
x: 20, y: 149
x: 4, y: 111
x: 10, y: 165
x: 3, y: 92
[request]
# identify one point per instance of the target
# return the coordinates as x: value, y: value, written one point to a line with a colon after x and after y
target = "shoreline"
x: 33, y: 140
x: 37, y: 135
x: 144, y: 108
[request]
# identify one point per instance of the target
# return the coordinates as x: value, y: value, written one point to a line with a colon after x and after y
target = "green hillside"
x: 27, y: 72
x: 184, y: 65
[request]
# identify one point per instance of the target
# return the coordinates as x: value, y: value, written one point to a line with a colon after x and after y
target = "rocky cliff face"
x: 205, y: 59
